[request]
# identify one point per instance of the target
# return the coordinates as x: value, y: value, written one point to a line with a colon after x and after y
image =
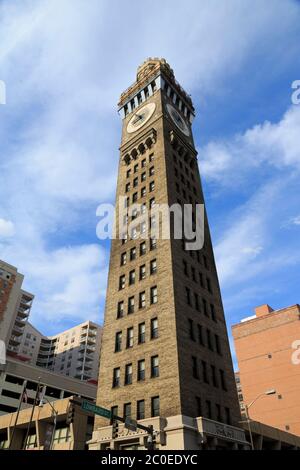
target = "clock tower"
x: 165, y: 357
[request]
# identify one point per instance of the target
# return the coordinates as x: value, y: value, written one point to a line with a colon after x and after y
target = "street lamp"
x: 266, y: 393
x: 54, y: 414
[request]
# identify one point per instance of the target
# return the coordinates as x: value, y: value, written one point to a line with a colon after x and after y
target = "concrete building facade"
x: 165, y: 351
x: 267, y: 348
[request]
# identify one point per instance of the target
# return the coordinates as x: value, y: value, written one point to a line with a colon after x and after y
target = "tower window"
x: 118, y: 341
x: 227, y: 416
x: 208, y: 283
x: 128, y: 374
x: 116, y: 377
x: 208, y: 409
x: 142, y: 248
x: 154, y: 366
x: 143, y: 192
x: 132, y: 277
x: 153, y: 266
x: 140, y: 409
x: 196, y: 302
x: 143, y: 177
x: 205, y: 307
x: 134, y: 197
x: 136, y: 168
x: 218, y: 346
x: 129, y: 340
x: 209, y: 341
x: 155, y: 407
x: 130, y: 305
x: 191, y: 330
x: 204, y: 372
x: 127, y: 187
x: 142, y: 272
x: 223, y: 381
x: 120, y: 311
x: 143, y: 164
x: 213, y: 312
x: 185, y: 268
x: 154, y: 328
x: 153, y: 243
x: 142, y: 333
x: 213, y: 376
x: 135, y: 182
x: 151, y: 186
x: 188, y: 295
x: 151, y: 171
x: 122, y: 282
x: 123, y: 259
x: 127, y: 410
x: 132, y: 254
x: 195, y: 367
x: 141, y: 370
x: 198, y: 406
x: 114, y: 412
x: 200, y: 335
x: 128, y: 173
x: 151, y: 157
x: 153, y: 295
x: 142, y: 299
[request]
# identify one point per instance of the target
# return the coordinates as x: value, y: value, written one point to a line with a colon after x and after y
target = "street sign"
x: 97, y: 410
x: 131, y: 424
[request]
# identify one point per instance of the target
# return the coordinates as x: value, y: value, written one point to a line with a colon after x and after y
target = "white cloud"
x: 296, y: 220
x: 275, y: 144
x: 7, y: 228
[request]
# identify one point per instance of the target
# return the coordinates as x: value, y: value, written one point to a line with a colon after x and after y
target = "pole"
x: 249, y: 427
x: 18, y: 412
x: 32, y: 411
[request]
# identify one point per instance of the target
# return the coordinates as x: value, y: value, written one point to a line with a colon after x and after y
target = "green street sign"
x: 97, y: 410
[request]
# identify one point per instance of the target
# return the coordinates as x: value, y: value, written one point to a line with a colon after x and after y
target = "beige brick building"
x: 165, y: 352
x: 267, y: 349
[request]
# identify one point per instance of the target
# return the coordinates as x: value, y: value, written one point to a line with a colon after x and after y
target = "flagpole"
x: 32, y: 411
x: 18, y: 412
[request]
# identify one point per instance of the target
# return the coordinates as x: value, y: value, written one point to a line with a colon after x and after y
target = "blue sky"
x: 65, y: 64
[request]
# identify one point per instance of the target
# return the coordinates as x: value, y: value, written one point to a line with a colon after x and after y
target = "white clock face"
x: 140, y: 117
x: 178, y: 120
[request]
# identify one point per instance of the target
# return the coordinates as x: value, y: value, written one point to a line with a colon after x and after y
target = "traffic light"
x: 70, y: 414
x: 115, y: 428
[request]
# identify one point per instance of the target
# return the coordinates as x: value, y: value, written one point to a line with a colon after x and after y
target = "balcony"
x: 17, y: 330
x: 14, y: 341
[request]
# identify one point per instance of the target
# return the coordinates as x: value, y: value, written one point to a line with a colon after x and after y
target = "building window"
x: 218, y: 413
x: 213, y: 376
x: 213, y: 312
x: 188, y: 295
x: 153, y: 266
x: 141, y: 370
x: 151, y: 186
x: 143, y: 163
x: 132, y: 254
x: 208, y: 409
x: 114, y: 412
x: 195, y: 367
x: 128, y: 173
x: 204, y: 303
x: 151, y: 171
x: 135, y: 182
x: 142, y: 272
x: 227, y: 416
x: 185, y: 268
x: 143, y: 192
x: 153, y: 295
x: 142, y: 248
x: 154, y: 328
x: 128, y: 374
x: 204, y: 372
x: 154, y: 366
x: 142, y: 333
x: 129, y: 340
x: 62, y: 435
x: 136, y: 168
x: 154, y: 407
x: 142, y: 300
x: 134, y: 197
x: 132, y: 277
x: 209, y: 341
x: 127, y: 187
x: 198, y: 406
x: 118, y: 341
x: 205, y: 262
x: 127, y: 410
x: 152, y: 203
x: 194, y: 274
x: 151, y: 157
x: 130, y: 305
x: 196, y: 297
x: 122, y: 281
x: 143, y: 176
x: 140, y: 410
x: 208, y: 284
x: 218, y: 345
x: 201, y: 279
x: 153, y: 243
x: 116, y: 377
x: 223, y: 381
x: 191, y: 330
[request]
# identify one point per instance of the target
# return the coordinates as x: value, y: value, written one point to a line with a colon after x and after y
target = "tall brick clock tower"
x: 165, y: 356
